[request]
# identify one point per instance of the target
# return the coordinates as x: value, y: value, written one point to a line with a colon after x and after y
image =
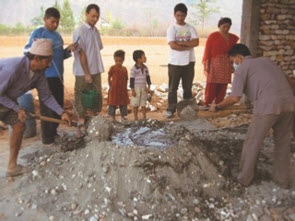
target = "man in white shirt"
x: 182, y: 38
x: 88, y: 64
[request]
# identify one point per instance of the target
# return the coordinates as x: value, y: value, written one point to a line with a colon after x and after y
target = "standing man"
x: 182, y: 39
x: 17, y: 76
x: 54, y: 74
x: 88, y: 64
x: 274, y: 105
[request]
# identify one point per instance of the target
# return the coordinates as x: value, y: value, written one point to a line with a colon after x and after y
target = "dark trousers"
x: 215, y: 91
x: 48, y: 129
x: 175, y: 73
x: 112, y: 110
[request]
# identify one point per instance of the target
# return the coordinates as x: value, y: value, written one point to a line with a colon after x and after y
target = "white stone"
x: 146, y: 217
x: 93, y: 218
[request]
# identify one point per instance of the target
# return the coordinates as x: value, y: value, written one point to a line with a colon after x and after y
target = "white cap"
x: 42, y: 47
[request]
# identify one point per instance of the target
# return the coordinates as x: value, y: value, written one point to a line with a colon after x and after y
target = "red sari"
x: 118, y: 94
x: 217, y: 65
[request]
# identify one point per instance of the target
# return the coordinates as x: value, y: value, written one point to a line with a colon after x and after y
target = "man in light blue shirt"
x: 88, y: 64
x: 17, y: 76
x: 54, y: 73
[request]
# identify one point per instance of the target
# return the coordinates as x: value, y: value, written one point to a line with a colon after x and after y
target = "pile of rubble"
x: 188, y: 179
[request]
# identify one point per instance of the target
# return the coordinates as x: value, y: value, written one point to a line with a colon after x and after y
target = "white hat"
x: 42, y: 47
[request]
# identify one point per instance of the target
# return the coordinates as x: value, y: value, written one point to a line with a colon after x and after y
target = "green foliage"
x: 38, y: 20
x: 201, y: 10
x: 117, y: 24
x: 115, y: 27
x: 57, y: 6
x: 4, y: 29
x: 67, y: 17
x: 205, y: 9
x: 19, y: 28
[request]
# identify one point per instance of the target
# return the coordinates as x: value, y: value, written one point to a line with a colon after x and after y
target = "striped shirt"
x: 140, y: 75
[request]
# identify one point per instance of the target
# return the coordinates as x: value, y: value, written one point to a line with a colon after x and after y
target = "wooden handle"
x: 53, y: 120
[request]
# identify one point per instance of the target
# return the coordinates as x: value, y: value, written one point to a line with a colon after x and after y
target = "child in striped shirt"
x: 140, y: 82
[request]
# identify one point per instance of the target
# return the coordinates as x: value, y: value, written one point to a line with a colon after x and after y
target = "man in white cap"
x: 17, y: 76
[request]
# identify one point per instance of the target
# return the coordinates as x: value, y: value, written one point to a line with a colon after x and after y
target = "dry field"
x: 156, y: 50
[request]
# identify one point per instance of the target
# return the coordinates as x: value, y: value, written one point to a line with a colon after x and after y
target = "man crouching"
x: 17, y: 76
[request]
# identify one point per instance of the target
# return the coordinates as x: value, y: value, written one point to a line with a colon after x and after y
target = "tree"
x: 81, y: 18
x: 205, y: 9
x: 117, y: 24
x: 19, y: 28
x: 38, y: 20
x: 67, y: 17
x: 57, y: 6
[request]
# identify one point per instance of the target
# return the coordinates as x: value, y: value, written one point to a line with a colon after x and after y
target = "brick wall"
x: 276, y: 38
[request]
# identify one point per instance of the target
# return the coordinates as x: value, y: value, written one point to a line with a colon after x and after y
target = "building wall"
x: 276, y: 37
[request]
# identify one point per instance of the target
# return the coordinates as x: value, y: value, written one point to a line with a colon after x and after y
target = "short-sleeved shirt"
x: 15, y: 80
x: 178, y: 33
x: 265, y: 84
x: 89, y: 41
x: 139, y: 74
x: 56, y: 68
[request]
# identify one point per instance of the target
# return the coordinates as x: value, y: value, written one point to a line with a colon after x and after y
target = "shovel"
x: 52, y: 120
x: 79, y: 132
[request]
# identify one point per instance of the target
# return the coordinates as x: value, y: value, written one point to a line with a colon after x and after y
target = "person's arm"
x: 178, y: 47
x: 68, y: 50
x: 132, y: 86
x: 239, y: 83
x: 4, y: 86
x: 207, y: 54
x: 227, y: 102
x: 190, y: 44
x: 291, y: 81
x: 110, y: 77
x: 84, y: 64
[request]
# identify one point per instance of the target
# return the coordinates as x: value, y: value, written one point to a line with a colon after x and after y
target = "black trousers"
x: 48, y: 129
x: 175, y: 73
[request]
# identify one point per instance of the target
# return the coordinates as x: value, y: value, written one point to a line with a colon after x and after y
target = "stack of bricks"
x: 277, y: 33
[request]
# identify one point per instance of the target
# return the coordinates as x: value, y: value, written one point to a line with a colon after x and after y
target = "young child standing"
x: 139, y: 79
x: 117, y: 79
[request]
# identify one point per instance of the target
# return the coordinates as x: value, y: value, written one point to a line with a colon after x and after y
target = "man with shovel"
x: 274, y: 105
x: 17, y: 76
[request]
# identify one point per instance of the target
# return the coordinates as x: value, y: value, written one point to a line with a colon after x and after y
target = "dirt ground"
x: 157, y: 169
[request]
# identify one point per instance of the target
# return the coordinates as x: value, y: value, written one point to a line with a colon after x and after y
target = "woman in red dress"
x: 118, y: 79
x: 217, y: 66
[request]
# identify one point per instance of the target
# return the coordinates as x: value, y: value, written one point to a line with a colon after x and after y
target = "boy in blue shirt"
x: 54, y: 74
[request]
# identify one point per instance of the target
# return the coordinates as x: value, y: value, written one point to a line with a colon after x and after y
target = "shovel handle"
x: 53, y: 120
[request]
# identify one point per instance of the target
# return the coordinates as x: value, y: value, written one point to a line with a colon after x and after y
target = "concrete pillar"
x: 250, y: 24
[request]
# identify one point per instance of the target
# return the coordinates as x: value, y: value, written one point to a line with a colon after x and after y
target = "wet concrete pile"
x: 185, y: 176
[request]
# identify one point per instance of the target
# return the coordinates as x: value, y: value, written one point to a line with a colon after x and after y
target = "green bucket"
x: 90, y: 99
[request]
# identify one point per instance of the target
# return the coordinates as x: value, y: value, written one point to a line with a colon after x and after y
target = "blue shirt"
x: 15, y: 80
x: 56, y: 68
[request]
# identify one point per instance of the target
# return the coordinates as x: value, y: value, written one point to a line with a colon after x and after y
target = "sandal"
x: 18, y: 171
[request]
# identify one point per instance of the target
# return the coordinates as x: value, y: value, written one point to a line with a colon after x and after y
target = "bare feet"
x: 18, y: 170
